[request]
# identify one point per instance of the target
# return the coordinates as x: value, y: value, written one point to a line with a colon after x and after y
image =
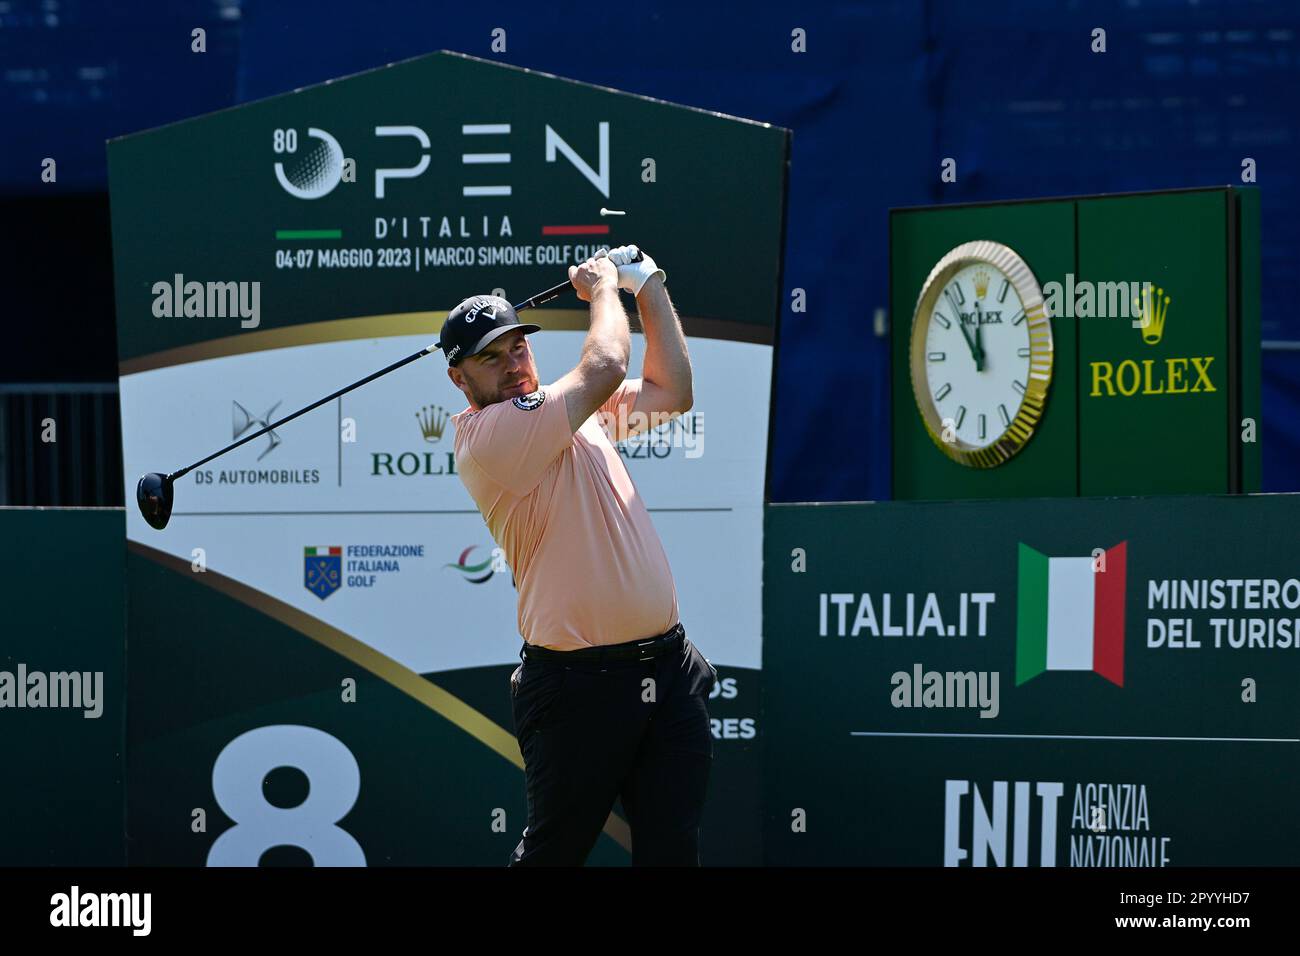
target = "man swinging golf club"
x: 609, y: 701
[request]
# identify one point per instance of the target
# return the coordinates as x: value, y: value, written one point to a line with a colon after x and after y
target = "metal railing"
x: 60, y: 444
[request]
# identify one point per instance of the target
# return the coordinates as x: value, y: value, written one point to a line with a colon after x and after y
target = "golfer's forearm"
x: 667, y: 363
x: 608, y: 343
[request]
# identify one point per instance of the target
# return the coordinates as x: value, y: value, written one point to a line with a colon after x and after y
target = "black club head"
x: 154, y: 496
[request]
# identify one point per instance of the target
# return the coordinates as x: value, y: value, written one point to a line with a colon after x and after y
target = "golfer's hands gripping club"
x: 594, y: 277
x: 635, y: 268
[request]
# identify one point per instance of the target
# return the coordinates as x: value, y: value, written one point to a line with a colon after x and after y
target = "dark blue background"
x: 1009, y: 89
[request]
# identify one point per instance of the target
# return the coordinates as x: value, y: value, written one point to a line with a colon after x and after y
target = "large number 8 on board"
x: 333, y: 782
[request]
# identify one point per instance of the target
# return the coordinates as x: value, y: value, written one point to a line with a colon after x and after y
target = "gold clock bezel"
x: 1016, y: 435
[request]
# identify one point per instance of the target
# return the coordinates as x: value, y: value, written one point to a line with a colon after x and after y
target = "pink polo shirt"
x: 588, y: 563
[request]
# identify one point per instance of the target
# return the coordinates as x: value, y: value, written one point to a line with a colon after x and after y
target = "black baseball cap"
x: 475, y: 324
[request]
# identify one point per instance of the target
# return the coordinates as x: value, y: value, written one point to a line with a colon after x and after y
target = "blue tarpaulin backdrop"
x: 1185, y: 90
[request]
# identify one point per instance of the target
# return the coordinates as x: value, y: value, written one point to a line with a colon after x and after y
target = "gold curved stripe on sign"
x: 447, y: 705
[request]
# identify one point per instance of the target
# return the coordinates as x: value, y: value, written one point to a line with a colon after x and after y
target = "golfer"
x: 609, y: 701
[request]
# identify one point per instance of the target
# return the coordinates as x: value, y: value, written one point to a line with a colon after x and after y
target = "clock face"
x: 977, y: 354
x: 981, y: 354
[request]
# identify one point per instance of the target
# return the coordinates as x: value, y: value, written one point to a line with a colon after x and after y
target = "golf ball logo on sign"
x: 322, y: 570
x: 317, y: 171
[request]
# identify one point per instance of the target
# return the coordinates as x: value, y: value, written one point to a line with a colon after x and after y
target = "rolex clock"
x: 981, y: 354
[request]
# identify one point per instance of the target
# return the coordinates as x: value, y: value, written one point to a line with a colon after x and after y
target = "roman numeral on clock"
x: 940, y: 395
x: 1020, y: 317
x: 1002, y: 411
x: 1019, y: 387
x: 982, y: 425
x: 1022, y: 353
x: 938, y: 356
x: 1006, y: 284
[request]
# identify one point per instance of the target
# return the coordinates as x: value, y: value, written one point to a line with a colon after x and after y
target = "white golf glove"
x: 633, y: 272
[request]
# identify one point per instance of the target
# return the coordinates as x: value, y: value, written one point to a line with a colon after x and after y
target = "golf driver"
x: 155, y: 492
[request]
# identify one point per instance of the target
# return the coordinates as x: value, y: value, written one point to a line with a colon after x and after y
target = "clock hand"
x: 979, y: 347
x: 970, y: 342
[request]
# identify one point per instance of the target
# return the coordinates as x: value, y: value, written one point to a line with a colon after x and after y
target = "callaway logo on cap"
x: 476, y: 323
x: 481, y: 306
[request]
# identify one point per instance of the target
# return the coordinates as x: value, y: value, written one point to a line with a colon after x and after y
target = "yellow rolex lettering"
x: 1146, y: 379
x: 1098, y: 377
x: 1130, y: 365
x: 1201, y: 363
x: 1175, y: 369
x: 1128, y: 379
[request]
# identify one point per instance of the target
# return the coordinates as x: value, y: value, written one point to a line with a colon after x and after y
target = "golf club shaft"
x: 544, y: 297
x: 536, y: 300
x: 302, y: 411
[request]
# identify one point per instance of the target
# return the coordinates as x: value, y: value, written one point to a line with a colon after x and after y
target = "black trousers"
x: 592, y: 731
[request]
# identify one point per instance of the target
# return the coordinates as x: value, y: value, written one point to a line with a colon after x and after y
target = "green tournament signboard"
x: 1085, y: 683
x: 321, y: 639
x: 1084, y: 346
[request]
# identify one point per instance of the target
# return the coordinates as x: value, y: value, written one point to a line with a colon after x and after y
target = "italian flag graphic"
x: 322, y: 551
x: 1070, y: 617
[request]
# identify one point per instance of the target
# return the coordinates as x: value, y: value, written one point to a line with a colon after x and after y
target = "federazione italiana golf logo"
x: 1070, y: 614
x: 326, y: 568
x: 322, y: 570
